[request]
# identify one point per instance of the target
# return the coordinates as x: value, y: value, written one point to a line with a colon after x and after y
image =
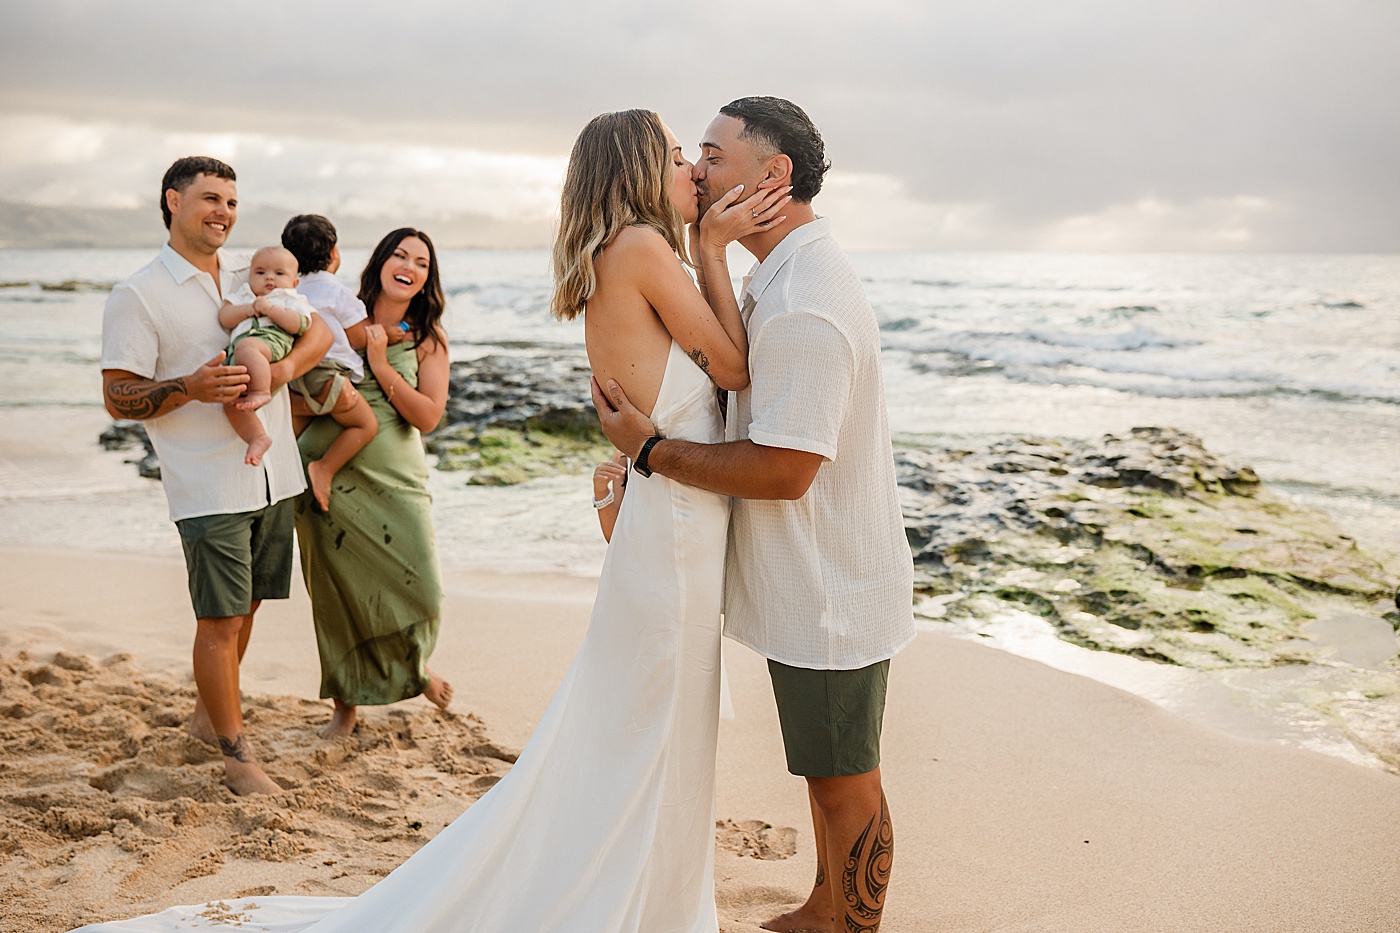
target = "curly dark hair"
x: 310, y: 238
x: 184, y: 171
x: 425, y: 309
x: 784, y: 127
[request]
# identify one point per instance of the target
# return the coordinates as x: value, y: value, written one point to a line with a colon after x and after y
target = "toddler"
x: 329, y: 388
x: 264, y: 317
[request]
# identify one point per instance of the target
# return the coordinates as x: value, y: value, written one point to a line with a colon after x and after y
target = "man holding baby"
x: 163, y: 347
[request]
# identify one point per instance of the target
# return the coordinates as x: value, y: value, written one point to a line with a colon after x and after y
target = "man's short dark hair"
x: 310, y: 238
x: 784, y: 127
x: 183, y: 173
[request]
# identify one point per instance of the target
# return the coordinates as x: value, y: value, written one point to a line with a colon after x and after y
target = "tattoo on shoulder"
x: 698, y: 357
x: 141, y: 400
x: 235, y: 748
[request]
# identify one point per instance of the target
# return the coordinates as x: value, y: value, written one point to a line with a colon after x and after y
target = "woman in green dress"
x: 370, y: 564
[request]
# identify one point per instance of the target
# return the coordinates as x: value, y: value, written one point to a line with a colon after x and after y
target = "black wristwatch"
x: 640, y: 464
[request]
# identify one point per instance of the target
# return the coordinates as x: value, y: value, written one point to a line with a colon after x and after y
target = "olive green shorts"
x: 235, y: 560
x: 277, y: 340
x: 831, y: 720
x: 310, y: 386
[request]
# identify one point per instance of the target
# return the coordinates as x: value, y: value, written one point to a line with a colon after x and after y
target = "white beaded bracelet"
x: 604, y: 502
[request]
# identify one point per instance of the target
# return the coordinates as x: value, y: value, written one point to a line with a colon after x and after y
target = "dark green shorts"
x: 236, y: 560
x: 830, y: 719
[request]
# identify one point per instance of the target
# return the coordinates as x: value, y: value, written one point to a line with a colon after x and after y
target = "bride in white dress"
x: 606, y: 822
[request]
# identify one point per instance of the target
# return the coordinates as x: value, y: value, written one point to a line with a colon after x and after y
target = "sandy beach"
x: 1025, y: 798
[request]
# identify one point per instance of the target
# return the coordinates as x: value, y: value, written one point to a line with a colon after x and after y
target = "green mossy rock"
x: 1143, y: 544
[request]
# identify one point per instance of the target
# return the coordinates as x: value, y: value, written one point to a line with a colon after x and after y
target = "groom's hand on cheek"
x: 621, y: 421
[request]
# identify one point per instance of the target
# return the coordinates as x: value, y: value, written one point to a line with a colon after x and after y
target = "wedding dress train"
x: 606, y: 822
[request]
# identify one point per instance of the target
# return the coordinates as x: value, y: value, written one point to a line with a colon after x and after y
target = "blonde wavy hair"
x: 619, y: 176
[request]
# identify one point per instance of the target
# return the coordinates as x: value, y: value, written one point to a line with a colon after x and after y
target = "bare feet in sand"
x: 342, y: 722
x: 256, y: 448
x: 242, y: 773
x: 320, y: 484
x: 800, y: 920
x: 438, y: 692
x: 253, y: 400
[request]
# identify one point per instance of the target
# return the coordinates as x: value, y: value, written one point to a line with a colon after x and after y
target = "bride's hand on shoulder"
x: 730, y: 219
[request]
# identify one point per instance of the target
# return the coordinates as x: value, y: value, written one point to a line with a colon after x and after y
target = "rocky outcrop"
x: 131, y: 435
x: 514, y: 418
x: 1144, y: 543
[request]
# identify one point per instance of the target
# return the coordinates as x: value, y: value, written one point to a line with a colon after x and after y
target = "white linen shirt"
x: 826, y: 581
x: 163, y: 323
x: 341, y: 310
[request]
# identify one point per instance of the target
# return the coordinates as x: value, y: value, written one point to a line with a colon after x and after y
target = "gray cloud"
x: 1024, y: 114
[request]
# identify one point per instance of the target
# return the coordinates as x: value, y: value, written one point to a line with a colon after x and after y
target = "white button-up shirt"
x: 163, y: 323
x: 826, y: 581
x: 341, y: 310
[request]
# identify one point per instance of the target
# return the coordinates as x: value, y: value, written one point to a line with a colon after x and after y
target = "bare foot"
x: 252, y: 401
x: 256, y: 448
x: 247, y: 777
x: 800, y: 920
x: 342, y: 722
x: 438, y: 692
x: 200, y: 727
x: 320, y: 484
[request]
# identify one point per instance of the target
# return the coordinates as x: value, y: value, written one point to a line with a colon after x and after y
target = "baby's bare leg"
x: 250, y: 428
x: 257, y: 356
x: 353, y: 414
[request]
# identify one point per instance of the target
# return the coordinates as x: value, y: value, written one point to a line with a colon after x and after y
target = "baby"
x: 329, y: 388
x: 265, y: 316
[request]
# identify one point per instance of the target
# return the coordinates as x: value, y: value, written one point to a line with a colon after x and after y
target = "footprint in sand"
x: 756, y: 839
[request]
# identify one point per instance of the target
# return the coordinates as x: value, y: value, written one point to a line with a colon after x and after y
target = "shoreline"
x: 998, y: 770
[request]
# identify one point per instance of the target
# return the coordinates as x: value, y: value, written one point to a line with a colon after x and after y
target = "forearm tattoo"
x: 236, y: 749
x: 867, y: 873
x: 699, y: 358
x: 138, y: 400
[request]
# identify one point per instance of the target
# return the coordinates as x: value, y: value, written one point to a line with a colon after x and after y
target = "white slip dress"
x: 606, y: 822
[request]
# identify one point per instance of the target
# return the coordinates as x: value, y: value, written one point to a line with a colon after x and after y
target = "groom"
x: 818, y: 576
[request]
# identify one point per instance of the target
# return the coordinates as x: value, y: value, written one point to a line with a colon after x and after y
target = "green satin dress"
x: 370, y: 564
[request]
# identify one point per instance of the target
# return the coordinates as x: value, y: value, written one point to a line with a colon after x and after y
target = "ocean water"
x: 1290, y: 363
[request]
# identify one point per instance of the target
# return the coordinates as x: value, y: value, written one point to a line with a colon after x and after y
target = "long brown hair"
x: 619, y: 176
x: 425, y: 309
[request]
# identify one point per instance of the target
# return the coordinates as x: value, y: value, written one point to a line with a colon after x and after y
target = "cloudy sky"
x: 1021, y: 124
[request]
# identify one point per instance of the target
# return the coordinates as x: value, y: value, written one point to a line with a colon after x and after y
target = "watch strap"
x: 640, y: 464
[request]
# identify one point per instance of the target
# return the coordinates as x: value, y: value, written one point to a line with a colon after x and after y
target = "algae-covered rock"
x: 514, y: 418
x: 1144, y: 544
x: 509, y: 418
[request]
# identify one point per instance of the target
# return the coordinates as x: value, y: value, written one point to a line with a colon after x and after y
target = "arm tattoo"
x: 698, y: 357
x: 868, y: 867
x: 238, y: 748
x: 821, y: 873
x: 141, y: 399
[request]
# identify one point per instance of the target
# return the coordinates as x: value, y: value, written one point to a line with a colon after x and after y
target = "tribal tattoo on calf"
x: 141, y: 400
x: 235, y: 748
x: 867, y: 873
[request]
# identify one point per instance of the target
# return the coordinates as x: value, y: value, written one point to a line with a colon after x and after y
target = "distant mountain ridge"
x: 38, y: 227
